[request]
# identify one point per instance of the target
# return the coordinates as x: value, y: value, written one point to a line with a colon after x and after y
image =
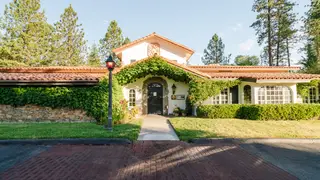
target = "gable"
x: 151, y: 45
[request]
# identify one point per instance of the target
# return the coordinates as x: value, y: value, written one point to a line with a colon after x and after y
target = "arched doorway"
x: 155, y: 98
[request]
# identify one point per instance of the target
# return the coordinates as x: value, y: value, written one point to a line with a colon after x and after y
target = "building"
x: 159, y: 94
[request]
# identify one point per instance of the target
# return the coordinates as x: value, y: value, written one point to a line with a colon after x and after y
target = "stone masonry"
x: 32, y: 113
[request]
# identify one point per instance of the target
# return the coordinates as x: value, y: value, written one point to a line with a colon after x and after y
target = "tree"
x: 247, y: 60
x: 94, y: 58
x: 214, y: 53
x: 286, y: 31
x: 274, y: 27
x: 69, y: 40
x: 112, y: 39
x: 27, y: 36
x: 312, y: 24
x: 310, y: 62
x: 263, y: 25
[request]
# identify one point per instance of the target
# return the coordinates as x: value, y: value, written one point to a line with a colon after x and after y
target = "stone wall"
x: 32, y: 113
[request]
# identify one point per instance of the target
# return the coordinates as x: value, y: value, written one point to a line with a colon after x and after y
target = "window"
x: 247, y: 94
x: 222, y: 98
x: 132, y: 60
x: 132, y: 98
x: 312, y: 98
x: 274, y: 95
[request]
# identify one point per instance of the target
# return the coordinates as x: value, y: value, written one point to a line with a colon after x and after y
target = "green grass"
x: 190, y: 128
x: 129, y: 130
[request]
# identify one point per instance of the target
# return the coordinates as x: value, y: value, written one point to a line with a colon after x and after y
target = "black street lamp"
x: 110, y: 65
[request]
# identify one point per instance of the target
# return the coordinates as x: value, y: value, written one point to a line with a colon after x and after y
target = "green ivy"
x: 303, y: 88
x: 200, y: 89
x: 94, y: 100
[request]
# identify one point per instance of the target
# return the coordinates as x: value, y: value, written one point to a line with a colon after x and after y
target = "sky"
x: 189, y: 22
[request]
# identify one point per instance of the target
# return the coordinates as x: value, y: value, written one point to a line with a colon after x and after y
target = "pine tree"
x: 214, y: 53
x: 27, y: 36
x: 274, y: 27
x: 312, y: 23
x: 112, y: 39
x: 94, y: 58
x: 310, y: 61
x: 264, y: 26
x: 286, y: 31
x: 69, y: 40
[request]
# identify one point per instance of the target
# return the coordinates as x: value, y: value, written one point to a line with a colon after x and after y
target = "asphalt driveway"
x: 141, y: 160
x: 299, y: 159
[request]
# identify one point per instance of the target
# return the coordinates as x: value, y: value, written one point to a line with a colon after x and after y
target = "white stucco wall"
x: 182, y: 89
x: 140, y: 51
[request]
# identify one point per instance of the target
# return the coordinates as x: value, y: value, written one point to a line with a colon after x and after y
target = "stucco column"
x: 294, y: 93
x: 254, y: 94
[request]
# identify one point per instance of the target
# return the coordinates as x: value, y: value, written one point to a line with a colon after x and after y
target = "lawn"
x: 129, y: 130
x: 190, y: 128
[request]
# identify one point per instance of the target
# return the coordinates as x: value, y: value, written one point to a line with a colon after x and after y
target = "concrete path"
x: 155, y: 127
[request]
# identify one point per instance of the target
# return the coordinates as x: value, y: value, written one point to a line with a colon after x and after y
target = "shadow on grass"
x: 188, y: 134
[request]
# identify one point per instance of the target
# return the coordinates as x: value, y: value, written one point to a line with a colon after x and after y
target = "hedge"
x: 261, y: 112
x: 94, y: 100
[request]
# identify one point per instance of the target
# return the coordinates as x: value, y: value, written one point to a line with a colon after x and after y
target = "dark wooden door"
x: 155, y: 98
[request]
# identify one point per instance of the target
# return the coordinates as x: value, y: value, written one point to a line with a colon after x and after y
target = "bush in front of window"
x: 261, y: 112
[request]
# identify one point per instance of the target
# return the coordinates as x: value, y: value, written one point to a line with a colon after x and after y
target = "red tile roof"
x: 92, y: 74
x: 260, y: 76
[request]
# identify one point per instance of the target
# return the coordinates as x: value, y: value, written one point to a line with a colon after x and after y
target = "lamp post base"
x: 107, y: 128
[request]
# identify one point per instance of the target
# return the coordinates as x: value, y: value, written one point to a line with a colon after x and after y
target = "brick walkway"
x: 145, y: 160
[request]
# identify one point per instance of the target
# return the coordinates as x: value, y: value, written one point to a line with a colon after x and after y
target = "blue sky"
x: 188, y: 22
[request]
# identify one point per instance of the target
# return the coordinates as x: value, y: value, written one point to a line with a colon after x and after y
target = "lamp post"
x: 110, y: 65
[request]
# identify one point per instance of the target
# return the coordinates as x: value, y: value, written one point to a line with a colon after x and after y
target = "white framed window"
x: 274, y: 95
x: 222, y: 98
x: 132, y: 98
x: 312, y: 97
x: 132, y: 60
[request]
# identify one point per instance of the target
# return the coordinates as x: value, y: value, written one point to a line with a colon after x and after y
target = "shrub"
x: 218, y: 111
x: 11, y: 63
x: 261, y: 112
x: 94, y: 100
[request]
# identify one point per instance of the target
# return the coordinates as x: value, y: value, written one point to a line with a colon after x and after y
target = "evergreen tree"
x: 310, y: 62
x: 264, y: 26
x: 312, y: 24
x: 274, y: 27
x: 214, y: 53
x: 286, y: 31
x: 69, y: 40
x: 27, y: 36
x: 112, y: 39
x: 94, y: 58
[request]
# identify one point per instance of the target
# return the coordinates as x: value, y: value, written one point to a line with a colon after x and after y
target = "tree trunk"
x: 288, y: 52
x: 269, y: 35
x: 279, y: 35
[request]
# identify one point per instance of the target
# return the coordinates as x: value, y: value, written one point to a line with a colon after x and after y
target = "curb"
x: 252, y: 141
x: 102, y: 141
x: 174, y: 130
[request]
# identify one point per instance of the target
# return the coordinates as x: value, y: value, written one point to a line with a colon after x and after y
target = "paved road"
x: 155, y: 127
x: 299, y: 159
x: 144, y: 160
